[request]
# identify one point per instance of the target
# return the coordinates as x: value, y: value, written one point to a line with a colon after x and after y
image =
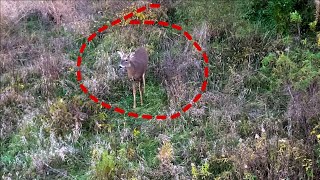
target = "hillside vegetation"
x: 259, y: 117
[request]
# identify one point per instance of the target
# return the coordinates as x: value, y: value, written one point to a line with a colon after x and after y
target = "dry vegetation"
x: 258, y: 119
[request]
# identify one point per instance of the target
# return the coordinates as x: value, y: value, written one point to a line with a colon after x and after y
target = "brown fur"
x: 138, y: 63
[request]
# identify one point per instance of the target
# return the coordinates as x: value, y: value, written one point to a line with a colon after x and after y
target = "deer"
x: 136, y: 64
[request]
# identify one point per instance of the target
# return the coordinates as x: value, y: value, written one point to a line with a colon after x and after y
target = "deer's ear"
x: 121, y: 54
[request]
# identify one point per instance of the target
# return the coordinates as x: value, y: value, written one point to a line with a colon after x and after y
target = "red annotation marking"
x: 83, y: 88
x: 106, y: 105
x: 176, y: 115
x: 206, y: 71
x: 197, y: 46
x: 79, y: 61
x: 94, y: 99
x: 154, y: 5
x: 148, y: 22
x: 115, y: 22
x: 119, y: 110
x: 83, y: 47
x: 163, y: 23
x: 134, y: 22
x: 197, y: 97
x: 141, y: 9
x: 128, y: 16
x: 187, y: 35
x: 205, y: 57
x: 161, y: 117
x: 145, y: 22
x: 187, y: 107
x: 79, y: 75
x: 92, y: 36
x: 133, y: 114
x: 146, y: 116
x: 103, y: 28
x: 177, y: 27
x: 204, y: 85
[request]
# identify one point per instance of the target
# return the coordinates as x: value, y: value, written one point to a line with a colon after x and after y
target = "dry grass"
x: 51, y: 130
x: 73, y: 15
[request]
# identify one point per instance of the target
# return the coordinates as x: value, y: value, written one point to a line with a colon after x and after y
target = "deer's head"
x: 125, y: 61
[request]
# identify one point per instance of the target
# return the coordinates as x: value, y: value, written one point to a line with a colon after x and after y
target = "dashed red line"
x: 154, y: 5
x: 204, y: 86
x: 119, y: 110
x: 132, y: 114
x: 197, y: 97
x: 174, y: 116
x: 148, y: 22
x: 187, y: 35
x: 128, y: 16
x: 79, y: 75
x: 134, y: 22
x: 103, y: 28
x: 163, y: 23
x: 115, y: 22
x: 187, y: 107
x: 83, y: 88
x: 146, y: 116
x: 205, y: 57
x: 141, y: 9
x: 177, y: 27
x: 197, y: 46
x: 83, y: 47
x: 92, y: 36
x: 94, y: 98
x: 206, y: 71
x: 106, y: 105
x: 79, y: 61
x: 161, y: 117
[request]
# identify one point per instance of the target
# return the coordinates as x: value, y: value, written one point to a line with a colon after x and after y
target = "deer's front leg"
x: 134, y: 94
x: 140, y: 90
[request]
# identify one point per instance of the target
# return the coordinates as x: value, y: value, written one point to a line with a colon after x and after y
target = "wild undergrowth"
x: 258, y: 119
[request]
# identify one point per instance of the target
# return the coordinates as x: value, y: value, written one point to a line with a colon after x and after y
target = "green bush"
x: 299, y: 69
x: 275, y: 14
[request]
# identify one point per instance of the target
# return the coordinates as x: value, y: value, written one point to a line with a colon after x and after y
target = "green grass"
x: 221, y: 142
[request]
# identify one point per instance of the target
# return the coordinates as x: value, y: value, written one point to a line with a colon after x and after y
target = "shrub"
x: 298, y: 69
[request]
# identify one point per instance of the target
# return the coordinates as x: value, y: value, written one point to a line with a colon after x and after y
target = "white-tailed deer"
x: 136, y: 64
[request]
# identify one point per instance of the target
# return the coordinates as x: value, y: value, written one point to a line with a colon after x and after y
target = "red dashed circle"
x: 145, y: 22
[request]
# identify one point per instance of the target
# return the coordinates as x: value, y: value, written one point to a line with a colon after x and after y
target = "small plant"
x: 249, y: 176
x: 165, y: 154
x: 203, y: 171
x: 245, y: 128
x: 61, y: 119
x: 194, y: 171
x: 295, y: 17
x: 313, y: 25
x: 105, y: 168
x: 136, y: 133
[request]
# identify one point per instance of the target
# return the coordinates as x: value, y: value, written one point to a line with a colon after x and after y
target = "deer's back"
x: 139, y: 64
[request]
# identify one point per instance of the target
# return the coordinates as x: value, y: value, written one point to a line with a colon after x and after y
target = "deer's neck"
x: 130, y: 71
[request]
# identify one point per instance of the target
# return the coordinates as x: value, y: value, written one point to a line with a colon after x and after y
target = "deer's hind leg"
x: 144, y: 82
x: 134, y: 94
x: 140, y: 90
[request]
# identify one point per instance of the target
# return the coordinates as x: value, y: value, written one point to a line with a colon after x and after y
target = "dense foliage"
x: 258, y: 119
